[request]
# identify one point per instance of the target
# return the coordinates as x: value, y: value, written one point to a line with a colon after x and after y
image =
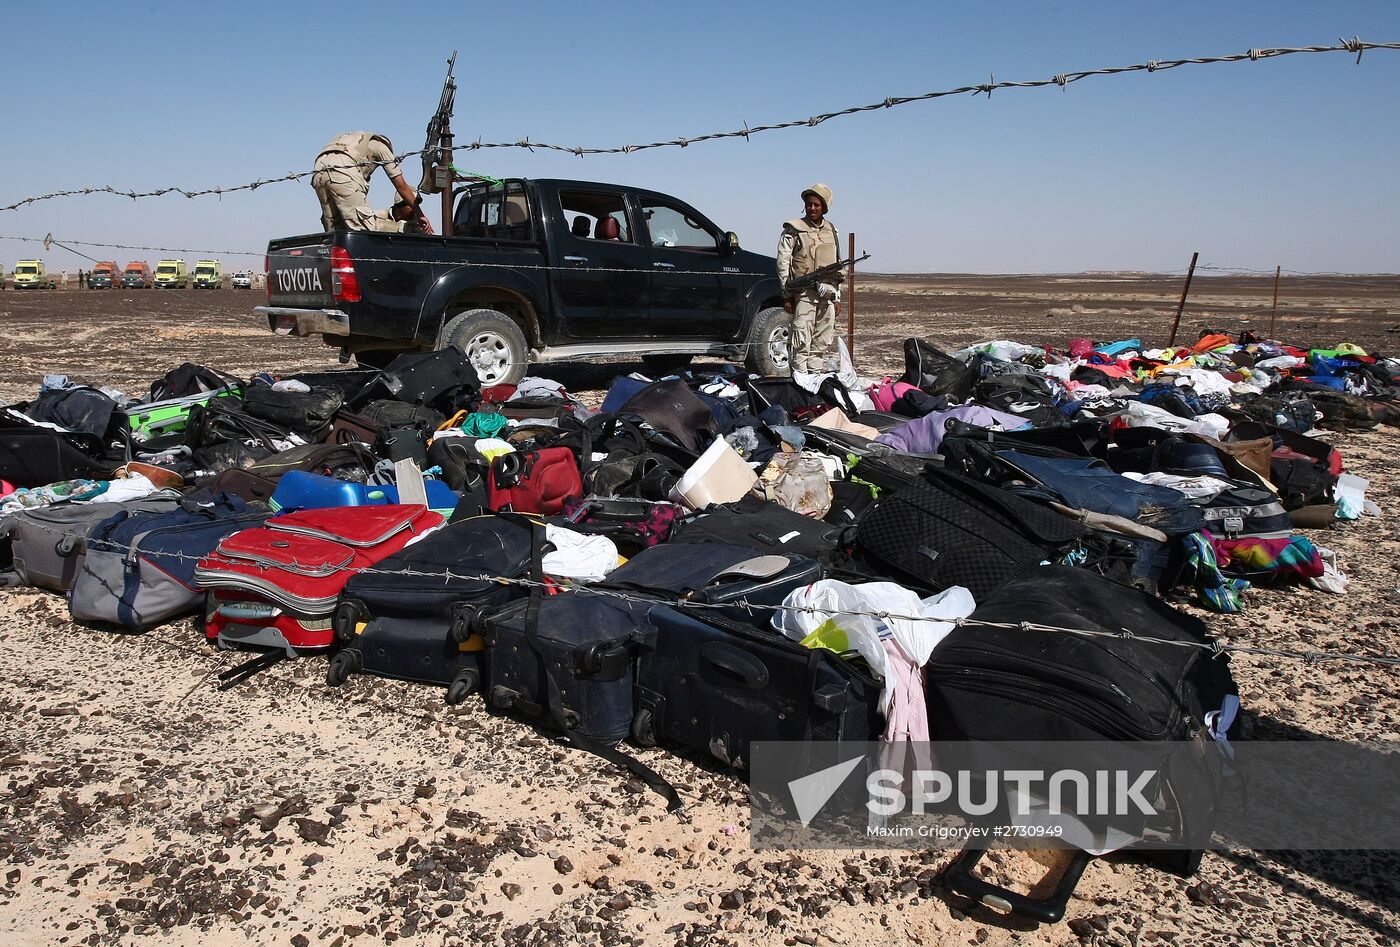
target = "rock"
x: 313, y: 831
x: 425, y: 791
x: 58, y: 712
x: 301, y: 940
x: 732, y: 900
x: 443, y: 910
x: 563, y: 865
x: 511, y: 890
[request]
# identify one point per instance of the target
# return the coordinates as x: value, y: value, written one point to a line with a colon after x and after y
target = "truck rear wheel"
x: 770, y: 342
x: 493, y: 343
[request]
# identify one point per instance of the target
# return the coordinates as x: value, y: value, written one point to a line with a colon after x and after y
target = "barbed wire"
x: 1063, y: 80
x: 1214, y: 646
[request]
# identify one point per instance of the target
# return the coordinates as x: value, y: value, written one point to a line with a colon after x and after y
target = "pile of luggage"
x: 713, y: 559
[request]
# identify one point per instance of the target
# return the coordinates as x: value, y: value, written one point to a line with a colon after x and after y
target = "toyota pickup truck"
x: 537, y: 271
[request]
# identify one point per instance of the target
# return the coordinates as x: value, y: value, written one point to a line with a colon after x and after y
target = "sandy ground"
x: 140, y: 805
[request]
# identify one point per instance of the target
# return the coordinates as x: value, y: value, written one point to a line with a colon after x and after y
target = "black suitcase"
x: 952, y: 530
x: 1017, y: 685
x: 427, y: 628
x: 33, y: 456
x: 715, y: 685
x: 569, y: 661
x: 762, y: 524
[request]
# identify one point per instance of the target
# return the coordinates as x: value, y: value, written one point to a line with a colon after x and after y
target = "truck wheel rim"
x: 489, y: 354
x: 778, y: 341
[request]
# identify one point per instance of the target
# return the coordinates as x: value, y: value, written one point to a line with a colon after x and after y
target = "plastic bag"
x: 847, y: 618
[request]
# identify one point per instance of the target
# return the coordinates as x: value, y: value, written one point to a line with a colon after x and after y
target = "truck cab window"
x: 669, y: 226
x: 497, y: 212
x: 595, y: 216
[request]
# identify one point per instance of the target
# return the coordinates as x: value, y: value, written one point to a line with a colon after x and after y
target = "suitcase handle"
x: 724, y: 664
x: 1047, y: 910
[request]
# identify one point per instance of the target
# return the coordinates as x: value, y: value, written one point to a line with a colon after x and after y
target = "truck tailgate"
x: 299, y: 273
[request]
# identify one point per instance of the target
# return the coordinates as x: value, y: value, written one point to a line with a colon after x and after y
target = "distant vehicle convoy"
x: 31, y: 274
x: 208, y: 274
x: 137, y: 275
x: 171, y: 274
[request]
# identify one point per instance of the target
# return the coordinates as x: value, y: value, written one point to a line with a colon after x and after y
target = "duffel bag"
x: 34, y: 456
x: 537, y: 481
x: 933, y: 370
x: 308, y: 413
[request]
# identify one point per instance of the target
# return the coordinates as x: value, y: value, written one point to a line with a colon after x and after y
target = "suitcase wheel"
x: 644, y: 728
x: 344, y: 664
x: 463, y: 685
x: 466, y: 621
x: 348, y: 616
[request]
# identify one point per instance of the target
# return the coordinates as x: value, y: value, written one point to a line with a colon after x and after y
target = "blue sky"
x: 1290, y: 161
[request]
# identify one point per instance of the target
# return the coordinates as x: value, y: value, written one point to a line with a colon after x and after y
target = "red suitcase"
x: 277, y: 586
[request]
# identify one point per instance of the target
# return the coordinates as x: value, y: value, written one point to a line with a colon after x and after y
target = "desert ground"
x: 138, y: 804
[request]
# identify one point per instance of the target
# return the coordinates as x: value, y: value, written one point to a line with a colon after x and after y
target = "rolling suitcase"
x: 427, y: 628
x: 46, y: 544
x: 138, y: 569
x: 716, y: 680
x: 1011, y: 684
x: 277, y: 587
x: 569, y: 661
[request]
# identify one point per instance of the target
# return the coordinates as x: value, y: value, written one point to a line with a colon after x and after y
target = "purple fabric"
x: 925, y: 435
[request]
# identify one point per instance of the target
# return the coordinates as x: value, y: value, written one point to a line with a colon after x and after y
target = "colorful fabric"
x: 1217, y: 591
x: 1291, y: 556
x: 484, y: 425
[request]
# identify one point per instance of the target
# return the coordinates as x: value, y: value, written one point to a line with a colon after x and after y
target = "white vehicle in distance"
x: 242, y: 280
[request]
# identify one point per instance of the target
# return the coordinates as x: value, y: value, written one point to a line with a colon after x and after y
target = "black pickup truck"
x: 537, y: 271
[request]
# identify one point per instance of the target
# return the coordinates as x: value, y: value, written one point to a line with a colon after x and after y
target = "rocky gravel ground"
x: 138, y: 804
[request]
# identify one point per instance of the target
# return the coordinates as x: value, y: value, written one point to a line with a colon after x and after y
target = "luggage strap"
x: 553, y: 700
x: 239, y: 673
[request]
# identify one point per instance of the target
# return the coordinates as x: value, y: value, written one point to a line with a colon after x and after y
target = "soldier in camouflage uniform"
x: 807, y: 245
x: 341, y: 181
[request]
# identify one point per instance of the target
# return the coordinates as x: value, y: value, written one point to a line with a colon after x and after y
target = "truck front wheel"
x: 493, y: 343
x: 770, y: 342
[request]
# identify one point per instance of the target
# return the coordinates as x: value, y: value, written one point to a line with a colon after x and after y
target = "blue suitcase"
x: 300, y: 490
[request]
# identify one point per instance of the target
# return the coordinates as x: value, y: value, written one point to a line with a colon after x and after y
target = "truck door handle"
x: 664, y: 266
x: 575, y: 259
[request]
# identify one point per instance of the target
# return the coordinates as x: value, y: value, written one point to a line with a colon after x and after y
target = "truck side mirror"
x: 729, y: 243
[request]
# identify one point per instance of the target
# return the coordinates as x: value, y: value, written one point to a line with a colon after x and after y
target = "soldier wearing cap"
x: 807, y: 245
x: 341, y: 181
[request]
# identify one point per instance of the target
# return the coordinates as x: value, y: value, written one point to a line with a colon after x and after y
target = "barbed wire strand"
x: 1063, y: 80
x: 1215, y: 646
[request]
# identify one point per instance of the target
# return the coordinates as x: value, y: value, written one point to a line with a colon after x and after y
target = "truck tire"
x: 770, y: 342
x: 493, y: 342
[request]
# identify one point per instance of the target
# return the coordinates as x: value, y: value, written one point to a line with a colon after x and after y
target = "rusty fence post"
x: 851, y: 297
x: 1190, y: 272
x: 1274, y: 318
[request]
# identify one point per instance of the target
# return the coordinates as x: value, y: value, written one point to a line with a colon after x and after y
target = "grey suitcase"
x: 47, y: 544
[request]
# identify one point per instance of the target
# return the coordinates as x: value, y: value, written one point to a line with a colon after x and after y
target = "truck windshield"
x: 26, y: 269
x: 168, y: 270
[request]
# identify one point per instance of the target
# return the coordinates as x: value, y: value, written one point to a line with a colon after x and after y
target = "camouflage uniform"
x: 341, y: 181
x: 803, y: 248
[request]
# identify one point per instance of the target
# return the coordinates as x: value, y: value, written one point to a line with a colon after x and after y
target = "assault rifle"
x: 825, y: 274
x: 440, y: 137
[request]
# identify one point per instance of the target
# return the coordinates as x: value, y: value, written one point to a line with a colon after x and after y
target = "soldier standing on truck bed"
x: 806, y: 246
x: 341, y: 181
